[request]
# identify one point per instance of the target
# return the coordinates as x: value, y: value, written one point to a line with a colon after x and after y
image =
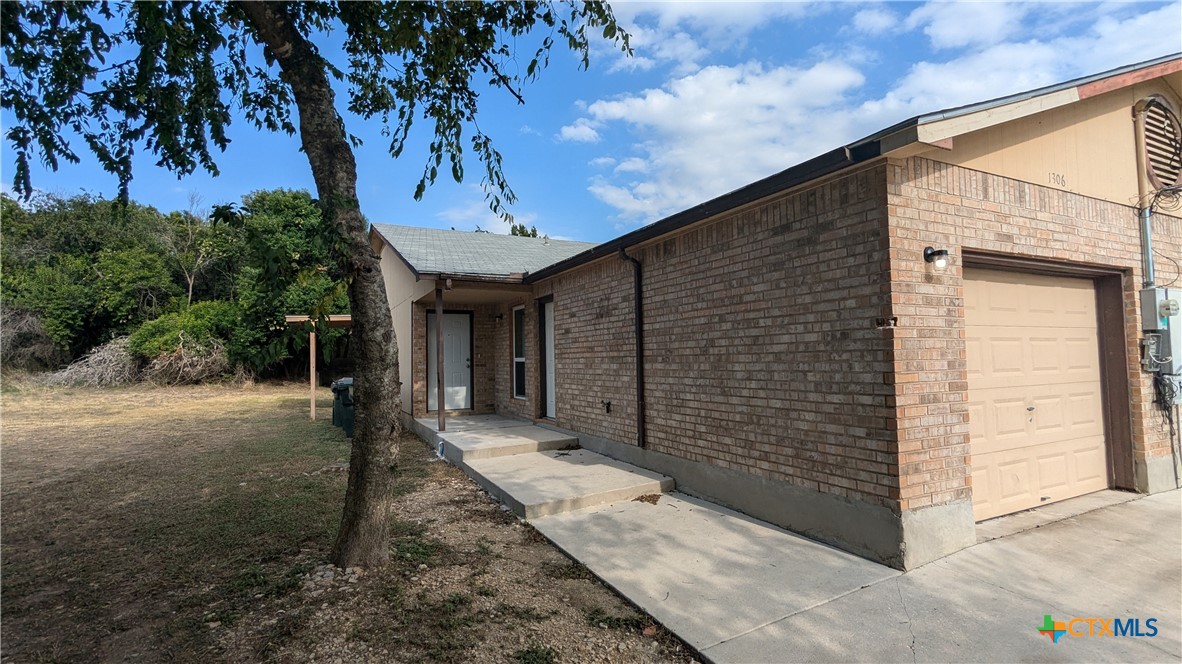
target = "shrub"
x: 189, y: 364
x: 62, y: 295
x: 25, y: 344
x: 202, y: 327
x: 104, y: 366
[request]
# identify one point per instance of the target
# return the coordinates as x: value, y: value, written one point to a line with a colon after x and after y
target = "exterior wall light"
x: 938, y: 257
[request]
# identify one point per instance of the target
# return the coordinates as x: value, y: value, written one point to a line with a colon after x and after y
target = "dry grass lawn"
x: 191, y: 524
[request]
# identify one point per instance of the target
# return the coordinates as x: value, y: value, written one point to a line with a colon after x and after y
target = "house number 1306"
x: 1058, y: 179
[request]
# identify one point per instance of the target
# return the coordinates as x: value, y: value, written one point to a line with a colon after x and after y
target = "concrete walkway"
x: 740, y: 590
x: 535, y: 471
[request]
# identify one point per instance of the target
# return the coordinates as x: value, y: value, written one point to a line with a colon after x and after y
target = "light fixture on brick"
x: 937, y: 257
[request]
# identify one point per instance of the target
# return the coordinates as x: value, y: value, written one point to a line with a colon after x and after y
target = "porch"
x: 482, y: 359
x: 536, y: 471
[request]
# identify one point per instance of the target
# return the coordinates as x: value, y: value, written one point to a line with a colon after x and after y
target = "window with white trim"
x: 519, y: 352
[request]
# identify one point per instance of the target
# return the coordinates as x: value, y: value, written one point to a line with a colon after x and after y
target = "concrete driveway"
x: 739, y: 590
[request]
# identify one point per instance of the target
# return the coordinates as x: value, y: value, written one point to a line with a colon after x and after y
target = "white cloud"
x: 602, y: 162
x: 874, y: 21
x: 712, y: 17
x: 582, y: 131
x: 718, y: 129
x: 702, y: 134
x: 959, y: 24
x: 651, y: 46
x: 632, y: 165
x: 685, y: 35
x: 472, y: 213
x: 1007, y: 68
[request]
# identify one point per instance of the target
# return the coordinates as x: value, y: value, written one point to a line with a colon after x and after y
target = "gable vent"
x: 1163, y: 145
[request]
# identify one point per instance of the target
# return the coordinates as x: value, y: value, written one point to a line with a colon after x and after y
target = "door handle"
x: 468, y: 363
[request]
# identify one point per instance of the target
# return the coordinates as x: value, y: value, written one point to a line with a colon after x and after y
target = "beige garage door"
x: 1036, y: 418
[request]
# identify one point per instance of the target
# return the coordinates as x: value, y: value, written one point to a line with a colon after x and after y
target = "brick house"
x: 807, y: 356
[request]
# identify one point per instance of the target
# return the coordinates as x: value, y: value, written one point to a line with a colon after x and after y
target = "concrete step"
x: 462, y: 446
x: 554, y: 482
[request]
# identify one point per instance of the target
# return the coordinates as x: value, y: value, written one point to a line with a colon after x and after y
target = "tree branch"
x: 505, y: 80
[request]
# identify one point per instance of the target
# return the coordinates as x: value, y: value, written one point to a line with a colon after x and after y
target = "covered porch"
x: 474, y: 363
x: 484, y: 356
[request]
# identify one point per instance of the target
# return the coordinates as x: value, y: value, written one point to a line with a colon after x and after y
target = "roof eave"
x: 825, y: 164
x: 935, y: 128
x: 515, y: 278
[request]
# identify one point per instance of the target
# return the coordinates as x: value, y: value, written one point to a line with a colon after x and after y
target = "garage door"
x: 1036, y: 419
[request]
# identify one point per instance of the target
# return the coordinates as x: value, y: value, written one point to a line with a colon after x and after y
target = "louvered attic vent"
x: 1163, y: 145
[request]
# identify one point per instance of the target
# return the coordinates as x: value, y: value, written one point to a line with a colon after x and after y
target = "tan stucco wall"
x: 402, y: 289
x: 1086, y: 147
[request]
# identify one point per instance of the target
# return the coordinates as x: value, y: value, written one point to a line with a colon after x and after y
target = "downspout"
x: 638, y: 319
x: 1144, y: 205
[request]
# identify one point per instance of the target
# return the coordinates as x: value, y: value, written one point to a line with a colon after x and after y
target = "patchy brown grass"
x: 184, y: 523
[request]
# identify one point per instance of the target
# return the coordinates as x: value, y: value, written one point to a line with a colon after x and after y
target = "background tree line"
x: 78, y: 272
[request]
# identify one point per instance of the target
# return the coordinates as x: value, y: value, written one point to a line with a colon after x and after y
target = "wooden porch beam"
x: 312, y: 372
x: 439, y: 372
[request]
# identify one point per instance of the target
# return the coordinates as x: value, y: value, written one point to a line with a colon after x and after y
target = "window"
x: 519, y: 352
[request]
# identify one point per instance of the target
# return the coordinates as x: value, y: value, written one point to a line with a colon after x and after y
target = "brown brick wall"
x: 936, y: 204
x: 503, y: 347
x: 484, y: 357
x: 594, y: 352
x: 762, y: 350
x: 418, y: 331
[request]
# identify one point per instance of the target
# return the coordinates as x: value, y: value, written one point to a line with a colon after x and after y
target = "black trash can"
x: 342, y: 404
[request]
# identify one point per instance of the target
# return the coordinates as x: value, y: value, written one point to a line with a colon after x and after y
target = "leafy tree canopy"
x: 168, y: 76
x: 521, y: 230
x: 87, y: 267
x: 90, y: 269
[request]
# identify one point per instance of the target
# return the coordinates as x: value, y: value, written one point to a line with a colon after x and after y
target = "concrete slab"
x: 544, y: 483
x: 463, y: 423
x: 740, y: 590
x: 987, y: 602
x: 707, y: 573
x: 1012, y: 524
x: 502, y: 441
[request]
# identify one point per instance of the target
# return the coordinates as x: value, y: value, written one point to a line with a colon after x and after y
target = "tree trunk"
x: 363, y: 538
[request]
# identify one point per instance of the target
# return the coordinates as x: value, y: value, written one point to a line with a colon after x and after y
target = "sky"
x: 715, y: 96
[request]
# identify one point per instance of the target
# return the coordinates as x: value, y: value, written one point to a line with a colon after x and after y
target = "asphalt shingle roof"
x: 436, y: 251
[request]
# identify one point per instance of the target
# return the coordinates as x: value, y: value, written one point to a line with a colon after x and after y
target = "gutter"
x: 511, y: 279
x: 638, y: 321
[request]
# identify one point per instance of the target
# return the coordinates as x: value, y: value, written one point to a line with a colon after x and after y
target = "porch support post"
x: 312, y: 373
x: 439, y: 372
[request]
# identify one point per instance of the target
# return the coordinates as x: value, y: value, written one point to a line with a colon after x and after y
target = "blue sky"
x: 716, y: 95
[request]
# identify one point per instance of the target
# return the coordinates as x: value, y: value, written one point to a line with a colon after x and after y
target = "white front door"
x: 457, y: 362
x: 548, y: 350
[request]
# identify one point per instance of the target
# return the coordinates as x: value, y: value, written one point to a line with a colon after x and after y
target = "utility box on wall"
x: 1161, y: 318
